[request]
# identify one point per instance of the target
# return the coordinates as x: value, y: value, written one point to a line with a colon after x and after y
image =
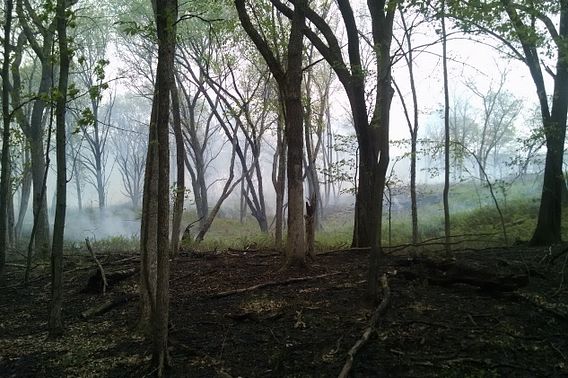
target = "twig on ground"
x: 271, y: 283
x: 381, y: 309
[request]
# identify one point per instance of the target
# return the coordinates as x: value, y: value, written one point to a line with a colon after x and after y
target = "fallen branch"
x: 558, y: 310
x: 12, y: 265
x: 103, y: 275
x: 106, y: 306
x: 342, y: 250
x: 271, y: 283
x: 381, y: 309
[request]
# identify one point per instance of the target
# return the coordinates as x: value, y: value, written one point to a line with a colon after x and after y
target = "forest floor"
x: 435, y: 324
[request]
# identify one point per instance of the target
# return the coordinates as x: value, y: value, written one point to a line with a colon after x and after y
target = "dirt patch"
x: 301, y: 324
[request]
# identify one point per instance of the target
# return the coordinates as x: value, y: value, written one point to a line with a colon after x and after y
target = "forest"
x: 283, y: 188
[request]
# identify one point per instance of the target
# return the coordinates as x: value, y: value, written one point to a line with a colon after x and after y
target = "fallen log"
x: 106, y: 306
x: 380, y: 310
x: 447, y: 272
x: 271, y: 283
x: 96, y: 284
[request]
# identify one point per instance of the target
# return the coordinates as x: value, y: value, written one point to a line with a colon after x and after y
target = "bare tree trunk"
x: 24, y: 193
x: 289, y: 83
x: 5, y: 174
x: 295, y: 243
x: 155, y: 238
x: 180, y: 167
x: 279, y: 180
x: 39, y: 162
x: 446, y: 133
x: 412, y: 126
x: 55, y: 321
x: 148, y: 229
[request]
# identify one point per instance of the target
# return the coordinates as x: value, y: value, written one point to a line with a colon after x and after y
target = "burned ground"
x: 299, y: 323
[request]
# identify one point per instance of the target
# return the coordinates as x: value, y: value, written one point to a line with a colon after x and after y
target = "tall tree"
x: 40, y: 37
x: 413, y: 124
x: 446, y: 191
x: 533, y: 31
x: 156, y: 202
x: 372, y: 134
x: 289, y: 79
x: 55, y: 321
x: 5, y: 173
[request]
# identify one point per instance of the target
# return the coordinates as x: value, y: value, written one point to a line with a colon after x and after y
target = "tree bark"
x: 5, y: 174
x: 155, y: 236
x: 295, y: 242
x: 548, y: 228
x: 289, y: 83
x: 446, y: 191
x: 35, y: 129
x: 180, y: 168
x: 55, y: 321
x: 24, y: 193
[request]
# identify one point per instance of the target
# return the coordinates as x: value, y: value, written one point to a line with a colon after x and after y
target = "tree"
x: 154, y: 234
x: 40, y: 37
x: 129, y: 146
x: 372, y: 134
x: 528, y: 31
x: 55, y: 321
x: 446, y: 191
x: 289, y: 79
x: 413, y: 124
x: 500, y: 109
x: 5, y: 173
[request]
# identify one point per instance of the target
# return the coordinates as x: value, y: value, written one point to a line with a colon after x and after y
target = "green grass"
x: 474, y: 216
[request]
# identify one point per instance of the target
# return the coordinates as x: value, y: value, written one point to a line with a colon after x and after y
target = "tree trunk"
x: 180, y: 167
x: 446, y: 134
x: 38, y: 160
x: 148, y: 229
x: 295, y: 242
x: 279, y: 179
x: 382, y: 16
x: 548, y: 228
x: 24, y: 193
x: 5, y: 173
x: 155, y: 225
x: 55, y: 321
x: 290, y: 85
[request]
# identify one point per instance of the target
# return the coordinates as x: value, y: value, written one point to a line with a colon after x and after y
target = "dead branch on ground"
x: 271, y: 283
x: 106, y: 306
x: 381, y: 309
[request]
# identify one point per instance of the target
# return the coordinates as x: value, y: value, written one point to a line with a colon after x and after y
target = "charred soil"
x: 236, y: 313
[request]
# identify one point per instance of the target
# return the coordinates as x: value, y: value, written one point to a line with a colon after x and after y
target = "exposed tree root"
x: 271, y: 283
x: 380, y: 310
